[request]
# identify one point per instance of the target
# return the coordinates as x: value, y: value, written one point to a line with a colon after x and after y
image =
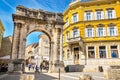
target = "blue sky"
x: 8, y: 7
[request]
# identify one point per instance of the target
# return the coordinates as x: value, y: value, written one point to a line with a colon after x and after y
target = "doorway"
x: 76, y: 55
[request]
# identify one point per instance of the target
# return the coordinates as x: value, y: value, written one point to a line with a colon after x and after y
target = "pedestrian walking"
x: 29, y: 66
x: 36, y: 69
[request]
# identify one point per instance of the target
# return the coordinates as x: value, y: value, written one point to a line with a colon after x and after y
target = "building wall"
x: 81, y: 8
x: 1, y: 33
x: 31, y: 54
x: 44, y: 46
x: 6, y: 46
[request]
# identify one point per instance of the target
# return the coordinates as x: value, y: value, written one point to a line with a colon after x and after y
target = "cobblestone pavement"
x: 50, y: 76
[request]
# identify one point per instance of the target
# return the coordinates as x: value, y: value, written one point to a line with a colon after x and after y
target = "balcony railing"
x: 73, y: 40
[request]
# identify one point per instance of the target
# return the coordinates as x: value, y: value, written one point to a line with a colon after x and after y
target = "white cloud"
x: 4, y: 1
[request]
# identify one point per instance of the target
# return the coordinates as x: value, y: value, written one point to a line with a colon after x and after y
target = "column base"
x: 16, y: 66
x: 56, y: 66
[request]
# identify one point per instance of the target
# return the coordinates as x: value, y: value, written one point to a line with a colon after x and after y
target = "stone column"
x: 22, y: 44
x: 51, y: 56
x: 83, y: 55
x: 15, y: 42
x: 58, y: 44
x: 17, y: 62
x: 57, y: 64
x: 61, y: 47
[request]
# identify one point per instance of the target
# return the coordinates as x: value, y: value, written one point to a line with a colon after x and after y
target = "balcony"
x: 73, y: 40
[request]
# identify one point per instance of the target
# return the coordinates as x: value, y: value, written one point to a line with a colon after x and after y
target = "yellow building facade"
x: 91, y: 34
x: 1, y: 33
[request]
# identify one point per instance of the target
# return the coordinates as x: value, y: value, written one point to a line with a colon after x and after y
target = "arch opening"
x: 37, y: 51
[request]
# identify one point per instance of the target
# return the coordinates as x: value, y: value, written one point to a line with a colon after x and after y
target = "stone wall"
x: 112, y: 73
x: 93, y: 65
x: 6, y: 46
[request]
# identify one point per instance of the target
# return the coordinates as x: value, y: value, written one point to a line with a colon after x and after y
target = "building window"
x: 99, y: 15
x: 67, y: 22
x: 89, y: 32
x: 101, y: 32
x: 113, y: 31
x: 111, y: 14
x: 75, y: 33
x: 114, y: 52
x: 88, y: 16
x: 74, y: 18
x: 91, y: 52
x: 102, y: 51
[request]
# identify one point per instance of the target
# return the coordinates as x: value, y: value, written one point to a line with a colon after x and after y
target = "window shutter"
x: 95, y: 16
x: 85, y: 16
x: 104, y: 31
x: 97, y: 32
x: 92, y: 32
x: 102, y: 13
x: 106, y: 14
x: 116, y: 31
x: 77, y: 17
x: 114, y: 13
x: 91, y: 16
x: 86, y: 35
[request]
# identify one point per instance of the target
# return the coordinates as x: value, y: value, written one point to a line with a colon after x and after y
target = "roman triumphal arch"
x: 28, y: 20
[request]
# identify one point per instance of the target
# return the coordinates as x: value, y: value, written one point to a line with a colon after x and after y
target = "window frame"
x: 93, y: 51
x: 75, y: 34
x: 114, y: 49
x: 102, y: 50
x: 114, y: 31
x: 87, y: 33
x: 74, y: 17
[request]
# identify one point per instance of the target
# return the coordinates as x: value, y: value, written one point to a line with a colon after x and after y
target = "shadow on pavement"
x: 29, y: 76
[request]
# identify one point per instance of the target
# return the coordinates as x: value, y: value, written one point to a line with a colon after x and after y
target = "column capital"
x: 18, y: 25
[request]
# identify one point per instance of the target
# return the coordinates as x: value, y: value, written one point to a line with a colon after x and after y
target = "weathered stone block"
x: 86, y: 77
x: 112, y: 73
x: 10, y: 67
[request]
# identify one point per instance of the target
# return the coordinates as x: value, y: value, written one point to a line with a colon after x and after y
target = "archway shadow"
x: 42, y: 76
x: 29, y: 76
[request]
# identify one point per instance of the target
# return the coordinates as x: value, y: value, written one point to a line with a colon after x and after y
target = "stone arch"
x: 24, y: 23
x: 41, y: 30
